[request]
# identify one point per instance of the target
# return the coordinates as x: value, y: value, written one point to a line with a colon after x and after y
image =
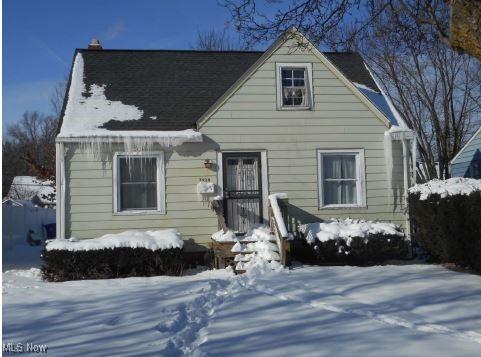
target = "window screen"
x: 339, y: 179
x: 294, y: 87
x: 137, y: 183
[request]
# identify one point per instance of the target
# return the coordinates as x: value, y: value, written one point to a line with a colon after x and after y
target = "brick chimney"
x: 94, y: 45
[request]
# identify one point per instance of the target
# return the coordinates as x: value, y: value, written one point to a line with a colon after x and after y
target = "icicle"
x: 389, y: 160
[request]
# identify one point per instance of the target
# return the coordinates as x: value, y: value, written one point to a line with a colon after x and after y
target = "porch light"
x: 208, y: 163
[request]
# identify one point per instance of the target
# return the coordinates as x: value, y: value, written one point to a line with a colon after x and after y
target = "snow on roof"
x: 382, y: 101
x: 152, y: 240
x: 88, y: 110
x: 379, y: 101
x: 449, y: 187
x: 27, y: 187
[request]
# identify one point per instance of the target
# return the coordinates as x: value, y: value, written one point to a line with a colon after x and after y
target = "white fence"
x: 20, y: 217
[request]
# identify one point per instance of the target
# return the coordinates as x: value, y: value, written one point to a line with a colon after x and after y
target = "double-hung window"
x: 341, y: 178
x: 294, y: 85
x: 139, y: 183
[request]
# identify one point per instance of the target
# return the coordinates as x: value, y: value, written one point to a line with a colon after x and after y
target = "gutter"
x: 197, y: 138
x: 405, y: 185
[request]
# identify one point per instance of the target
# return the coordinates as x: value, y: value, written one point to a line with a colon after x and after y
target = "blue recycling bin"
x: 51, y: 230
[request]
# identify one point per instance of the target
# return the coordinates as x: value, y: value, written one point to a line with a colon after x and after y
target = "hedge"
x: 62, y: 265
x: 448, y: 228
x: 374, y: 249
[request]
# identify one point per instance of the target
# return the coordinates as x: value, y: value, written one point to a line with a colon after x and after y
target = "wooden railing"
x: 278, y: 216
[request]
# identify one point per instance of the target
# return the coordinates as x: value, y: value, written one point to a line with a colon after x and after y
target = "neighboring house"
x: 143, y: 132
x: 39, y: 192
x: 467, y: 162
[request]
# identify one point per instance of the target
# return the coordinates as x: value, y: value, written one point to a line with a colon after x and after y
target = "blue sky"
x: 39, y: 38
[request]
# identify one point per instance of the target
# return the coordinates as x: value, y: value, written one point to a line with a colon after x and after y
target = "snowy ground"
x: 378, y: 311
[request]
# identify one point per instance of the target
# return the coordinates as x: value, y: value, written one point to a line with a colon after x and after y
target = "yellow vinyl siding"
x: 248, y: 120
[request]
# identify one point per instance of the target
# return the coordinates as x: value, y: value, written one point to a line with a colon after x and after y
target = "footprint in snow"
x: 175, y: 322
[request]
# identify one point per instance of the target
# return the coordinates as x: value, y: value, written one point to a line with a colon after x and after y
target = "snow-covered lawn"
x: 382, y: 310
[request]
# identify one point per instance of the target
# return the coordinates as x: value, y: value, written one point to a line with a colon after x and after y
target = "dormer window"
x: 294, y: 85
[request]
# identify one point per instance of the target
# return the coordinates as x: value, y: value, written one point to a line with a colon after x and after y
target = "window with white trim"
x: 341, y: 178
x: 294, y: 85
x: 139, y: 183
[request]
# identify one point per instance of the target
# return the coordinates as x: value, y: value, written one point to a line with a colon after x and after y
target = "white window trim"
x: 310, y: 92
x: 159, y: 155
x: 360, y: 174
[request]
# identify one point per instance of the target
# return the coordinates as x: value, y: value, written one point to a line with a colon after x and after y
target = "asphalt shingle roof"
x: 174, y: 88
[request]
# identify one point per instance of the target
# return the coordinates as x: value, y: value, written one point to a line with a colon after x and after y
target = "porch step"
x: 263, y: 250
x: 227, y: 246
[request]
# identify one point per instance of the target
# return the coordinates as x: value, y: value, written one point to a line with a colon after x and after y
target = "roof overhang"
x: 478, y: 132
x: 164, y: 138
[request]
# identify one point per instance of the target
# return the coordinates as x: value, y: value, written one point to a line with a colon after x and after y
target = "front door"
x: 242, y: 190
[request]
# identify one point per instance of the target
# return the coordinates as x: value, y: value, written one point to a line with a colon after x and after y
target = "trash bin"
x: 51, y: 230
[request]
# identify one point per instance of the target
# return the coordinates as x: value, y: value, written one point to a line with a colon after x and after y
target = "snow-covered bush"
x: 127, y: 254
x: 446, y: 217
x: 348, y: 241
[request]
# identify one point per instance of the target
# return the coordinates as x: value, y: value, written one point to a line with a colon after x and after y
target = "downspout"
x: 414, y: 154
x: 406, y: 185
x: 62, y: 173
x: 60, y: 188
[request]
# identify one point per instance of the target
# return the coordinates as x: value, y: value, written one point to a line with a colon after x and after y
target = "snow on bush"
x: 446, y: 216
x: 449, y: 187
x: 152, y: 240
x: 335, y: 229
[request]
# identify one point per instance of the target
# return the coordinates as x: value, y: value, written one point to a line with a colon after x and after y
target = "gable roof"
x: 468, y: 143
x: 167, y: 90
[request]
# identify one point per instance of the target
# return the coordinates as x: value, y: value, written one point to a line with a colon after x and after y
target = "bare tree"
x: 30, y: 147
x: 56, y: 99
x: 213, y: 40
x: 11, y: 165
x: 436, y: 90
x: 320, y: 20
x: 34, y: 137
x: 437, y: 94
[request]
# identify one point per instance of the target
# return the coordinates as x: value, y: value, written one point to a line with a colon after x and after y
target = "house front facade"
x: 149, y: 138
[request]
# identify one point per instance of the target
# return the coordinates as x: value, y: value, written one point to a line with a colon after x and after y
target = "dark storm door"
x: 242, y: 190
